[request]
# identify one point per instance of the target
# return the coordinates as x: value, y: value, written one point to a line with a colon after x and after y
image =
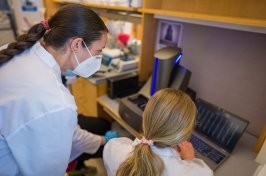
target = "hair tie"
x: 45, y: 24
x: 145, y: 141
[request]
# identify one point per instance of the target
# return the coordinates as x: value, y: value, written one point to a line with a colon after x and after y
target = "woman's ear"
x: 75, y: 44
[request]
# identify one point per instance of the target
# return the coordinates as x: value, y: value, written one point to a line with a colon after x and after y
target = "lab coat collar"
x: 168, y: 151
x: 46, y: 57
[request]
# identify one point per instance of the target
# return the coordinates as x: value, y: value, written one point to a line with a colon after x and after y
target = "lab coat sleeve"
x: 84, y: 142
x: 43, y: 145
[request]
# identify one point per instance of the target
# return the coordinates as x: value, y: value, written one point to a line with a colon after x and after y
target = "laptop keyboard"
x: 206, y: 150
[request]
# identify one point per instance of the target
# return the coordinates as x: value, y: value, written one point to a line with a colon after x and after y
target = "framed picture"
x: 168, y: 34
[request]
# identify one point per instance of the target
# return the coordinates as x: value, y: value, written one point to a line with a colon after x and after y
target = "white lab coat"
x: 118, y: 149
x: 39, y: 134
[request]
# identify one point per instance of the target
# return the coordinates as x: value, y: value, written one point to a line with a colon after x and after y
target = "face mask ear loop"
x: 87, y: 47
x: 76, y: 57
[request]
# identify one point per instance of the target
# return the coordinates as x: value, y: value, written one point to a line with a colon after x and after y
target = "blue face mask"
x: 68, y: 73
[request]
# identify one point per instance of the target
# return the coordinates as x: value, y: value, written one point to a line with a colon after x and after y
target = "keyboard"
x: 206, y: 150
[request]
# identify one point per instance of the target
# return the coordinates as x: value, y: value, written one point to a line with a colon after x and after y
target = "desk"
x: 240, y: 163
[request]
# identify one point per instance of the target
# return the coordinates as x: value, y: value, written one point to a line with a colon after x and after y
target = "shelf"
x: 213, y: 18
x: 101, y: 6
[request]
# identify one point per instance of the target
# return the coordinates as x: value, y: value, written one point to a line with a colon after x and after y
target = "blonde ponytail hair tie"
x: 145, y: 141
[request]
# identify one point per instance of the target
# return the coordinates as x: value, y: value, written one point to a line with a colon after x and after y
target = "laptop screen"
x: 222, y: 127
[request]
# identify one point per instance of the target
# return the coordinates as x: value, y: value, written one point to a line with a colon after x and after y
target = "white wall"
x: 228, y: 69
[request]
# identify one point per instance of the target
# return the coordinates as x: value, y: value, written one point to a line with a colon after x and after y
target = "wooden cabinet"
x: 50, y: 8
x: 248, y: 12
x: 86, y: 94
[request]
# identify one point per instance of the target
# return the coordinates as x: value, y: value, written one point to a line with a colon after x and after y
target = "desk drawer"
x: 85, y: 94
x: 86, y: 108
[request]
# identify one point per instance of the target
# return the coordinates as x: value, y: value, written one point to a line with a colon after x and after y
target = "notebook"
x: 216, y: 133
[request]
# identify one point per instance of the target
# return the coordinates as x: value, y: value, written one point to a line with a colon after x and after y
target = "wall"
x: 228, y: 69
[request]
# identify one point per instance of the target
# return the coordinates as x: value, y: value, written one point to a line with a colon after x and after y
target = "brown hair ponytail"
x: 24, y: 41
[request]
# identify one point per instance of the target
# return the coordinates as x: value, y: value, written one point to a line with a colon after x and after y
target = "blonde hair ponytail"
x: 168, y: 119
x: 142, y: 161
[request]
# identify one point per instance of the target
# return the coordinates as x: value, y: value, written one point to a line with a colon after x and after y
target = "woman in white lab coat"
x: 39, y: 134
x: 168, y: 121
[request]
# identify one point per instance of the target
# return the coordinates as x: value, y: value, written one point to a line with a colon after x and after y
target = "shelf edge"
x: 211, y: 18
x: 101, y: 6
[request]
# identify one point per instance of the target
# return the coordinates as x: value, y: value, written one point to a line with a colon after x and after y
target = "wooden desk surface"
x: 240, y: 163
x: 111, y: 107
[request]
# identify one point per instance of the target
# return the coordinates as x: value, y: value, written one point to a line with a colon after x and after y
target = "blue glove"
x: 110, y: 134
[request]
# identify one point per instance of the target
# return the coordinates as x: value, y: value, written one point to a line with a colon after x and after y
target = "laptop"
x: 216, y: 133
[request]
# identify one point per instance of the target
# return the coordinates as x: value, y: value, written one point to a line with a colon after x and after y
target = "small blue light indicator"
x: 154, y: 80
x: 178, y: 58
